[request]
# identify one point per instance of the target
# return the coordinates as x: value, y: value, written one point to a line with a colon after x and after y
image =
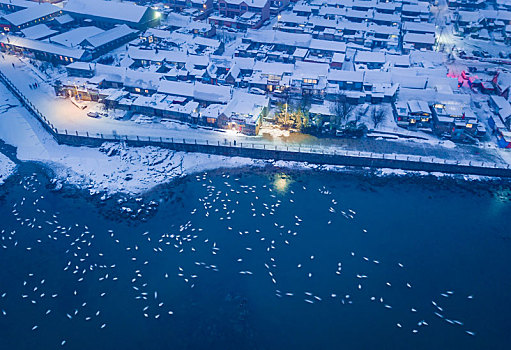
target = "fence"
x: 332, y: 156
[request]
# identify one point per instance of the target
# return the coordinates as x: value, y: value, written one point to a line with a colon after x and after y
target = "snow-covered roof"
x: 123, y: 11
x: 377, y: 77
x: 198, y: 91
x: 75, y: 36
x: 108, y: 36
x: 326, y: 45
x: 251, y: 3
x: 419, y: 38
x: 369, y: 57
x: 19, y: 3
x: 274, y: 68
x: 338, y: 57
x: 143, y: 80
x: 419, y: 27
x: 212, y: 93
x: 30, y: 14
x: 310, y: 70
x: 42, y: 46
x: 158, y: 33
x: 322, y: 109
x: 138, y: 53
x: 278, y: 37
x: 344, y: 75
x: 399, y: 60
x: 244, y: 62
x: 469, y: 16
x: 38, y: 31
x: 246, y: 107
x: 418, y: 106
x: 63, y: 19
x: 499, y: 101
x: 419, y: 7
x: 434, y: 57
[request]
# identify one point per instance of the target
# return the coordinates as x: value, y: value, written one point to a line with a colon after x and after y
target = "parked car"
x: 257, y: 91
x: 93, y: 114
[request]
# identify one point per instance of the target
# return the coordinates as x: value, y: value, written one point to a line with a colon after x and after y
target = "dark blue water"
x: 256, y: 260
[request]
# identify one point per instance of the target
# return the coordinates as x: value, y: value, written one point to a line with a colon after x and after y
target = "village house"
x: 241, y: 14
x: 412, y: 114
x: 104, y: 15
x: 42, y: 50
x: 28, y: 17
x: 244, y: 113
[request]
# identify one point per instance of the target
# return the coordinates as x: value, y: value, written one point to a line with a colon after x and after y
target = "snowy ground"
x: 66, y: 116
x: 111, y: 168
x: 6, y: 168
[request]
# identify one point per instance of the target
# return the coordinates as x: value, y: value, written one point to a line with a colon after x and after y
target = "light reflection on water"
x: 281, y: 182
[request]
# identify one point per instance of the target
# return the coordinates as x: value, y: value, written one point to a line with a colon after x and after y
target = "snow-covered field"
x: 6, y: 168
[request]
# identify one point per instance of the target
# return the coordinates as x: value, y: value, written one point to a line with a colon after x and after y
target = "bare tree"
x: 358, y: 116
x: 341, y: 108
x: 377, y: 116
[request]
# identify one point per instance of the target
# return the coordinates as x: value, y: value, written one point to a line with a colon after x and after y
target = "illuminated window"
x: 137, y: 89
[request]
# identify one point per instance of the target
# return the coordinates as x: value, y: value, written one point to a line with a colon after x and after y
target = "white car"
x: 93, y: 114
x: 257, y: 91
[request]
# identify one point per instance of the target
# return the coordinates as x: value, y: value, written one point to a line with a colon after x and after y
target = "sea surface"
x: 256, y: 259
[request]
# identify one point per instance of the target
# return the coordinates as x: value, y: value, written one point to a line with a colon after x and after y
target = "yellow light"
x: 469, y: 125
x: 281, y: 183
x: 157, y: 14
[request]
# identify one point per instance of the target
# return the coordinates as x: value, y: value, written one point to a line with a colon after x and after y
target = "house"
x: 418, y: 28
x: 412, y: 114
x: 30, y: 16
x: 271, y: 76
x: 244, y: 113
x: 62, y: 22
x: 205, y: 94
x: 454, y: 120
x: 502, y: 83
x: 75, y: 36
x: 108, y: 40
x: 309, y: 79
x: 369, y: 59
x: 154, y: 35
x: 15, y: 5
x: 38, y: 32
x: 346, y: 80
x: 277, y: 6
x: 205, y: 6
x: 234, y: 8
x: 415, y: 11
x: 321, y: 113
x: 105, y: 14
x: 337, y: 60
x: 43, y: 50
x: 418, y: 41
